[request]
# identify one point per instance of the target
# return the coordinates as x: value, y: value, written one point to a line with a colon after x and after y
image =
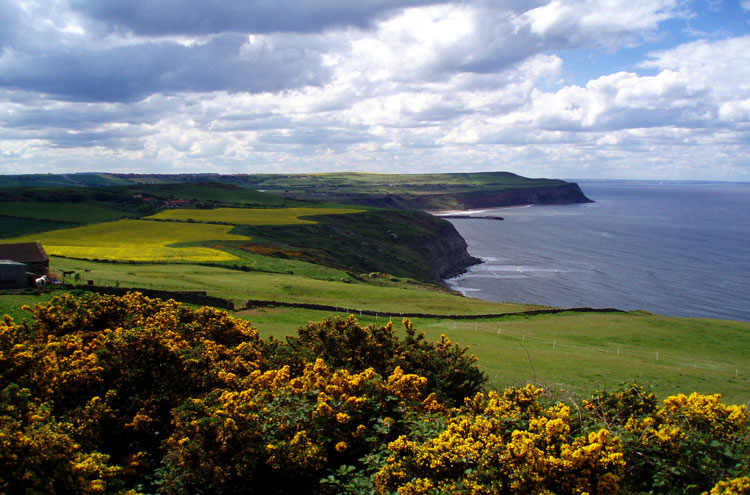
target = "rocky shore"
x: 448, y: 254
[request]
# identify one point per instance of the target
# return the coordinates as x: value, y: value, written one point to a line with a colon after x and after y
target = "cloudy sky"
x: 643, y: 89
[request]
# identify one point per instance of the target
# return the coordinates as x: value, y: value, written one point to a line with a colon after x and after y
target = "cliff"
x: 566, y: 193
x: 558, y: 192
x: 448, y: 254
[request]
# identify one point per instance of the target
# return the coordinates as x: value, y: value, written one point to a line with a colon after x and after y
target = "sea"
x: 671, y: 248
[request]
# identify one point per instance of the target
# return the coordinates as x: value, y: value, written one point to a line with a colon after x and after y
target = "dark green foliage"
x: 343, y: 343
x: 131, y: 395
x: 15, y: 227
x: 389, y: 241
x: 684, y: 447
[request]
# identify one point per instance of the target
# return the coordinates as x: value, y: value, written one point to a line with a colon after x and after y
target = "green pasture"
x: 11, y: 302
x: 251, y: 216
x: 14, y: 227
x: 369, y: 183
x: 574, y: 354
x: 61, y: 180
x: 577, y: 353
x: 570, y: 354
x: 391, y: 297
x: 220, y: 193
x: 137, y: 240
x: 60, y: 212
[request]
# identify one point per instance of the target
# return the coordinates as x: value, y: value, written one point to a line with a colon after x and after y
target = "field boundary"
x: 254, y: 303
x: 200, y: 297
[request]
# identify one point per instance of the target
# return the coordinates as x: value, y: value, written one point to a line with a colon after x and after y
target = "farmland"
x: 137, y: 240
x: 577, y: 353
x: 356, y: 258
x: 251, y: 216
x: 388, y: 295
x: 60, y: 212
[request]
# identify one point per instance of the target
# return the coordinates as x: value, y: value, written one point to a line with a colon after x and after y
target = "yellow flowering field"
x: 252, y: 216
x: 136, y: 240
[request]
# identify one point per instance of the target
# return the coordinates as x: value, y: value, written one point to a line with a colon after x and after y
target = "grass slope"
x: 137, y: 240
x: 571, y: 352
x: 331, y: 287
x: 218, y: 193
x: 252, y: 216
x: 60, y: 212
x: 578, y: 353
x: 387, y: 241
x: 14, y: 227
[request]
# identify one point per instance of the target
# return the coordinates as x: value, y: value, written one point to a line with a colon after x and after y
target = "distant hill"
x: 405, y: 191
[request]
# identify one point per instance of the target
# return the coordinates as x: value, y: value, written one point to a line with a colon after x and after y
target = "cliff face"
x: 567, y: 193
x: 448, y: 253
x: 482, y: 197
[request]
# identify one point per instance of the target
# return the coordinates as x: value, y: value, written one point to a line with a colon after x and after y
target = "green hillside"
x: 374, y: 261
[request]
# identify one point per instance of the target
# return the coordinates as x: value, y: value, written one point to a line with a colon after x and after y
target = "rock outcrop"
x: 566, y: 193
x: 448, y: 253
x: 558, y: 192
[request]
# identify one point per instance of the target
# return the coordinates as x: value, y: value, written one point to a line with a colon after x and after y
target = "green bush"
x: 343, y: 343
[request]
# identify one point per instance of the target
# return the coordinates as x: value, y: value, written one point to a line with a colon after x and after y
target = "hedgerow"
x: 106, y: 394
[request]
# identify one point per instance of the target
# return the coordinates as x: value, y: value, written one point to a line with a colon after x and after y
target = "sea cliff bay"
x: 676, y: 248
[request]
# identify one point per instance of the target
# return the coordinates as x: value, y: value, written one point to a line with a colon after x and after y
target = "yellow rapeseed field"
x: 136, y: 240
x: 251, y: 216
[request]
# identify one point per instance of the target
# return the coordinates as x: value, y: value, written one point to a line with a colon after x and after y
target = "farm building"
x: 12, y: 275
x: 31, y: 254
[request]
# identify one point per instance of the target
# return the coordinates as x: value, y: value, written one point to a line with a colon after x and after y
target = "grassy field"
x: 62, y: 180
x: 60, y: 212
x: 571, y: 353
x: 137, y: 240
x: 218, y: 193
x: 390, y: 296
x: 252, y: 216
x: 574, y: 354
x: 15, y: 227
x: 577, y: 353
x: 360, y: 183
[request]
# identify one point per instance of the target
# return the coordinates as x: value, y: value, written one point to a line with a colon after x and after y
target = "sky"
x: 616, y: 89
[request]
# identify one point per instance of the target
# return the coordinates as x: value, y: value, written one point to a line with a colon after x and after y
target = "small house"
x: 12, y: 275
x: 31, y: 254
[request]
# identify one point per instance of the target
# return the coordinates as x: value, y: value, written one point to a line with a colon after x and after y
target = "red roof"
x: 26, y: 252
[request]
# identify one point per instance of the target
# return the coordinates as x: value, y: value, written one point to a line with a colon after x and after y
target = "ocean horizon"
x: 677, y: 248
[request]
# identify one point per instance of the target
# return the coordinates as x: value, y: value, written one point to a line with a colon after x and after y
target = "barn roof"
x: 11, y: 262
x: 25, y: 252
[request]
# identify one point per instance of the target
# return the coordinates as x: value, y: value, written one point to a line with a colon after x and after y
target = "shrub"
x: 113, y: 368
x: 343, y: 343
x: 106, y: 394
x: 274, y: 433
x: 506, y: 444
x: 686, y: 446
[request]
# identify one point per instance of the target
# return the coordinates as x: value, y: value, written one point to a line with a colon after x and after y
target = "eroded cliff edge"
x: 448, y: 253
x: 558, y: 192
x: 567, y: 193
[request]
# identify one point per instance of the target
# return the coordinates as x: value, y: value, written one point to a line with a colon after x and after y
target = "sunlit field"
x: 393, y: 298
x: 252, y: 216
x: 137, y: 240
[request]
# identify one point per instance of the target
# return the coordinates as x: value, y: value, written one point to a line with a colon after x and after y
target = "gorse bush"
x: 686, y: 446
x: 451, y: 373
x: 103, y: 394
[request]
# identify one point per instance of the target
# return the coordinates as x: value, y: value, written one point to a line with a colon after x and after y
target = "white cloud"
x: 387, y: 84
x: 572, y: 23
